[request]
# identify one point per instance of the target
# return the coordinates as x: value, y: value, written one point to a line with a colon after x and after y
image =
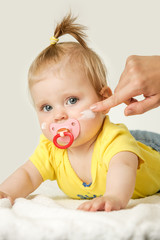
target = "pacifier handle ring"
x: 69, y: 134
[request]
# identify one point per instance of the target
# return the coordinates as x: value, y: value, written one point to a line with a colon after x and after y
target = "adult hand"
x: 141, y: 76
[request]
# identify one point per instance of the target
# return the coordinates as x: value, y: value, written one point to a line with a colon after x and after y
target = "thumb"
x: 142, y: 106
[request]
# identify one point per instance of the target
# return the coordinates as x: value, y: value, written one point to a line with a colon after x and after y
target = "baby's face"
x: 63, y: 93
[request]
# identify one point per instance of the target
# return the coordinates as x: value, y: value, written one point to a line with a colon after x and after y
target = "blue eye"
x: 47, y: 108
x: 72, y: 100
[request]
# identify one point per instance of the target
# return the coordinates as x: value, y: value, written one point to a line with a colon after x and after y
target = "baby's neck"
x: 81, y: 159
x: 83, y: 149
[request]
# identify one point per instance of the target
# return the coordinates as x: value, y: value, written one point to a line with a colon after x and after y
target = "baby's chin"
x: 48, y: 136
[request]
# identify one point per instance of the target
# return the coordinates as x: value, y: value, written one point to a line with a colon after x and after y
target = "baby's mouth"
x: 65, y: 133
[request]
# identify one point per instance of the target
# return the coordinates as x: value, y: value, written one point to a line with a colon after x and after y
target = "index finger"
x: 116, y: 99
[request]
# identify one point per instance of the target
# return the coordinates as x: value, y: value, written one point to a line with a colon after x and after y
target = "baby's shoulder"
x: 113, y: 129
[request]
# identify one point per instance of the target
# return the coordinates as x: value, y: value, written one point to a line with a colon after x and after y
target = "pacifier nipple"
x: 65, y: 132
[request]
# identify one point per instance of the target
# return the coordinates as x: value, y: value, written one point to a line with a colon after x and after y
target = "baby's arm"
x: 21, y: 183
x: 120, y: 184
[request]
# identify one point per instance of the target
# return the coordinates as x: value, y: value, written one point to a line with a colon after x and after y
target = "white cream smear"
x: 43, y: 125
x: 87, y: 114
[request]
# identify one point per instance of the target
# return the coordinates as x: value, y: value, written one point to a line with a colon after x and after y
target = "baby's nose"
x: 60, y: 114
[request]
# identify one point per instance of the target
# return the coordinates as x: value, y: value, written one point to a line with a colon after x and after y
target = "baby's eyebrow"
x: 41, y: 103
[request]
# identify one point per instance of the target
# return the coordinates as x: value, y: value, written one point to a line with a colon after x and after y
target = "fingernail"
x: 129, y: 112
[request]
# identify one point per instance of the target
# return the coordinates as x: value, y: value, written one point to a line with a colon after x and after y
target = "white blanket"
x: 48, y: 214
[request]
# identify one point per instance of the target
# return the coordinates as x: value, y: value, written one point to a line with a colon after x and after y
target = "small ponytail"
x: 68, y: 26
x: 77, y: 52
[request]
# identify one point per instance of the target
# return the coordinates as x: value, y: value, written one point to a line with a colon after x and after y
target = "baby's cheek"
x: 87, y: 126
x: 91, y: 127
x: 46, y: 131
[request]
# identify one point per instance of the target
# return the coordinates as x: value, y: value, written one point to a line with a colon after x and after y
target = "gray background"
x: 116, y: 29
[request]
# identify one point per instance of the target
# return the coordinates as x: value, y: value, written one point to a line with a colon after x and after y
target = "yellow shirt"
x: 53, y: 163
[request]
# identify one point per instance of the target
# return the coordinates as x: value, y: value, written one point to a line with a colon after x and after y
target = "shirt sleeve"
x: 43, y: 159
x: 120, y: 140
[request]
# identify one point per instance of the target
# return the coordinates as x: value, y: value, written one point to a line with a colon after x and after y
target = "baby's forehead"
x: 65, y: 63
x: 64, y: 68
x: 62, y: 73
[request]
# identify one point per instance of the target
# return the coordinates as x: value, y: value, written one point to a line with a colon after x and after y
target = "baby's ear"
x: 106, y: 92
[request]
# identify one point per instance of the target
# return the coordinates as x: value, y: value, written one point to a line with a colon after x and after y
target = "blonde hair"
x: 78, y: 51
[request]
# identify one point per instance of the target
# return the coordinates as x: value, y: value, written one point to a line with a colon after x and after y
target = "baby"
x: 90, y: 157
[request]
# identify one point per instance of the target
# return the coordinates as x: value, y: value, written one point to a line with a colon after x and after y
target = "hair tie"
x: 53, y: 40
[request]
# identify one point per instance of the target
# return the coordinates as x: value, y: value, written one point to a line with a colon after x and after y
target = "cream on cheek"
x: 43, y: 125
x: 88, y: 120
x: 87, y: 114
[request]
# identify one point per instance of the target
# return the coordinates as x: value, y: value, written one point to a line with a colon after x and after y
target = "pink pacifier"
x: 65, y: 132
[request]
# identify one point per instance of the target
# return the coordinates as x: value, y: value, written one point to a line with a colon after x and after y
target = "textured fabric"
x: 48, y: 214
x: 148, y: 138
x: 53, y: 163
